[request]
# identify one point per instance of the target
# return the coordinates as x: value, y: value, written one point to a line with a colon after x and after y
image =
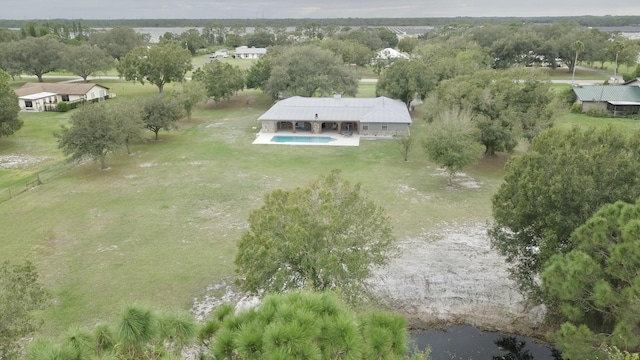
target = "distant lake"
x: 631, y: 32
x: 156, y: 32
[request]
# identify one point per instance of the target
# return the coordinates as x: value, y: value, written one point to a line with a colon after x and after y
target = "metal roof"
x: 251, y: 50
x: 590, y: 93
x: 37, y: 96
x: 365, y: 110
x: 621, y: 103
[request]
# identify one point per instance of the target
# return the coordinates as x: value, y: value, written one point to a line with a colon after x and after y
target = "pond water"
x: 466, y: 343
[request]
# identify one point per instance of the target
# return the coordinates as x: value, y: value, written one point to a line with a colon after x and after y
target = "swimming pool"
x: 302, y: 139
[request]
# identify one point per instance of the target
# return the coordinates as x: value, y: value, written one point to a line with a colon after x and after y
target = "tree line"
x: 590, y: 21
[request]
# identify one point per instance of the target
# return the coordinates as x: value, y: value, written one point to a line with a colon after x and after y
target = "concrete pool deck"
x: 340, y: 140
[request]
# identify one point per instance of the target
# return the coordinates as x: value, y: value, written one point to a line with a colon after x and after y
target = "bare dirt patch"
x: 219, y: 294
x: 452, y: 276
x: 460, y: 179
x: 448, y: 275
x: 19, y: 161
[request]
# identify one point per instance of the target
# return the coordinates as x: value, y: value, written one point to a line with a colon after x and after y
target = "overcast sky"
x: 243, y: 9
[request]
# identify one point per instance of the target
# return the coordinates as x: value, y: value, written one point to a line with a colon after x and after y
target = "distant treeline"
x: 592, y: 21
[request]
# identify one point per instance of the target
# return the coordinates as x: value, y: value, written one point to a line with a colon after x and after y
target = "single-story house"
x: 45, y: 96
x: 244, y: 52
x: 379, y: 116
x: 222, y: 53
x: 390, y: 53
x: 617, y: 99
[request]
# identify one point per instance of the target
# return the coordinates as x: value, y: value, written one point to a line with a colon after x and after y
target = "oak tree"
x: 189, y: 94
x: 324, y: 236
x: 259, y: 73
x: 85, y: 60
x: 9, y: 120
x: 550, y: 191
x: 37, y: 55
x: 310, y: 71
x: 95, y: 131
x: 161, y: 112
x: 451, y: 141
x: 405, y: 80
x: 117, y: 42
x: 158, y: 64
x: 221, y: 79
x: 507, y: 105
x: 127, y: 116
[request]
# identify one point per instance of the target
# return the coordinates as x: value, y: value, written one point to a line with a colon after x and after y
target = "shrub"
x: 633, y: 75
x: 74, y: 105
x: 597, y: 113
x: 568, y: 96
x: 63, y: 107
x: 576, y: 108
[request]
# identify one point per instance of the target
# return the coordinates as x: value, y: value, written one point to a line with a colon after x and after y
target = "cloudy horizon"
x: 250, y: 9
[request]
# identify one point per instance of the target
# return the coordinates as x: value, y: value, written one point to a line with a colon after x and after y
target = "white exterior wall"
x: 97, y: 92
x: 36, y: 104
x: 250, y: 56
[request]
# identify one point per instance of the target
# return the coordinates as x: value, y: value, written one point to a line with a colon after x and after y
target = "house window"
x: 28, y: 104
x: 365, y: 126
x: 385, y: 126
x: 65, y: 97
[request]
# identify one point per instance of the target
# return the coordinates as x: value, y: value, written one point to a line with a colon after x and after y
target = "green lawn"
x: 161, y: 225
x: 564, y: 74
x: 582, y: 120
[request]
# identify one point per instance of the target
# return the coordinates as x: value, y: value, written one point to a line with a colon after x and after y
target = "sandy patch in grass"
x: 460, y: 179
x: 219, y: 294
x: 17, y: 161
x: 445, y: 276
x: 452, y: 276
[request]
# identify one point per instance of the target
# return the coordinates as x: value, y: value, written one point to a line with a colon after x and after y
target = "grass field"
x: 161, y: 225
x: 563, y: 73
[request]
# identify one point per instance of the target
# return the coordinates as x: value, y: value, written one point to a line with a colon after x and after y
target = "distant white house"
x: 379, y: 116
x: 222, y: 53
x: 390, y: 53
x: 45, y: 96
x: 244, y: 52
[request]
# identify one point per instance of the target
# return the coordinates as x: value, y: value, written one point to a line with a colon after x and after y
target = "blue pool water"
x: 302, y: 139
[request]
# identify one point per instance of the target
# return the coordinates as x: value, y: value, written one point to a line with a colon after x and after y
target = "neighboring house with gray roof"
x: 45, y: 96
x: 617, y: 99
x: 379, y: 116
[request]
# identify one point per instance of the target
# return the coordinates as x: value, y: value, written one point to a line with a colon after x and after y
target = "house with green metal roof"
x: 616, y: 99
